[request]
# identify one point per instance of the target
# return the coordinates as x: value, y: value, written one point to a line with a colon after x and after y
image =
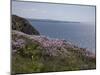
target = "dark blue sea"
x: 80, y: 34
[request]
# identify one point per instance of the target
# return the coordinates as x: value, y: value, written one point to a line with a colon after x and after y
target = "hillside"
x: 34, y: 53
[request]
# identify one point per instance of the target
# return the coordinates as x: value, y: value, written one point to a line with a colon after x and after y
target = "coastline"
x: 35, y: 53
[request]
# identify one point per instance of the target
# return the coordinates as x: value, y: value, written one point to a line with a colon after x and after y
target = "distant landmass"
x: 49, y: 20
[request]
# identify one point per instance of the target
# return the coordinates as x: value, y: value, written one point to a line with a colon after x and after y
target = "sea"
x: 80, y: 34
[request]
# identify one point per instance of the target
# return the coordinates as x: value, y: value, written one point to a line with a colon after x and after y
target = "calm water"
x: 79, y: 34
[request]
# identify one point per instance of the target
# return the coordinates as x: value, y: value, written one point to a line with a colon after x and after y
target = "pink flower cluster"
x: 52, y: 43
x: 46, y: 42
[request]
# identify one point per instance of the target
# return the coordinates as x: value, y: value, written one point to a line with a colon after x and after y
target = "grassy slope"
x: 32, y: 58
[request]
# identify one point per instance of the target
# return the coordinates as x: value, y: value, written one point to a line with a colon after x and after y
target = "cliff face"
x: 21, y: 24
x: 36, y: 53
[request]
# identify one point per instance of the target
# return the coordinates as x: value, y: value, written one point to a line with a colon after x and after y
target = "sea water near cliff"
x: 80, y: 34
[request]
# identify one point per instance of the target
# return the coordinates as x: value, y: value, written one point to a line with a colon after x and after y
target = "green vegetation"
x: 32, y: 58
x: 27, y: 59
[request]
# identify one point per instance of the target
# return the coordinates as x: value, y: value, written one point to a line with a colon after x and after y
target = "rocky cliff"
x: 21, y: 24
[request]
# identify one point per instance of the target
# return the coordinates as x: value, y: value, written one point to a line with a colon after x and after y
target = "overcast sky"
x: 54, y: 11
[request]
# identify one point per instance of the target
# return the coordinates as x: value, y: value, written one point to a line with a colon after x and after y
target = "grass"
x: 32, y: 59
x: 27, y: 60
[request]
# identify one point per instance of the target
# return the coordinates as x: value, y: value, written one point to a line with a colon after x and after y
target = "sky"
x: 62, y: 12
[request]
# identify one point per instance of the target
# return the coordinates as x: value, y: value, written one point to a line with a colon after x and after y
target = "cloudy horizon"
x: 63, y: 12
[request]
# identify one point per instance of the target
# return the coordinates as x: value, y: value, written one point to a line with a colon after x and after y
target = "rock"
x: 23, y: 25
